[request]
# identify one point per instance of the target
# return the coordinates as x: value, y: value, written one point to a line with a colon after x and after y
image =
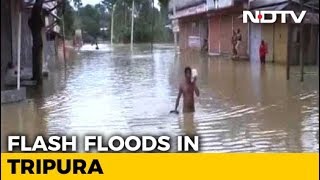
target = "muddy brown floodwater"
x: 243, y: 107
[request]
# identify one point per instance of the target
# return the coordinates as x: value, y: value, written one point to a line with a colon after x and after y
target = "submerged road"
x: 243, y: 107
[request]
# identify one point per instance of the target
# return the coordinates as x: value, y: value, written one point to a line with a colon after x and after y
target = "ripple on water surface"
x: 242, y: 108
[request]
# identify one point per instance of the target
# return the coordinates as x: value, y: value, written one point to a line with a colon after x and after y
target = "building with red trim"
x: 208, y: 25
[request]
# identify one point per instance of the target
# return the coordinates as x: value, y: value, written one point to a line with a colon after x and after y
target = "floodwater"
x: 243, y: 107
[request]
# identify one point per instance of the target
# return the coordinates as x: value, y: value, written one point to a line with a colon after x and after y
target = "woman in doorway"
x: 234, y: 42
x: 263, y: 50
x: 238, y: 39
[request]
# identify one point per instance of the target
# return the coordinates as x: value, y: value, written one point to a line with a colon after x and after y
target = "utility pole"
x: 152, y: 25
x: 64, y: 42
x: 111, y: 37
x: 289, y: 44
x: 316, y: 40
x: 301, y: 45
x: 19, y: 49
x: 174, y: 32
x: 132, y: 24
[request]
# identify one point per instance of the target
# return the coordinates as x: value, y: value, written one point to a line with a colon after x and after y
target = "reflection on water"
x: 242, y: 107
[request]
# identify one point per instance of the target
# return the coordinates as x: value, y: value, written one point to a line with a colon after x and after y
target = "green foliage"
x: 149, y: 22
x: 87, y: 18
x: 69, y: 18
x: 90, y: 20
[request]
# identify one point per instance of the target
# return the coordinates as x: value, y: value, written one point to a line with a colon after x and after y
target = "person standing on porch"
x: 239, y: 39
x: 234, y: 42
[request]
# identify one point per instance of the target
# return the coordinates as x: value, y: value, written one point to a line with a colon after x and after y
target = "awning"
x: 263, y: 3
x: 271, y: 8
x: 195, y: 10
x: 310, y: 18
x: 48, y: 5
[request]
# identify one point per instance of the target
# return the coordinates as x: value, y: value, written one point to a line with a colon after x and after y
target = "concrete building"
x: 208, y: 25
x: 192, y: 23
x: 14, y: 19
x: 6, y: 47
x: 223, y: 17
x: 283, y: 40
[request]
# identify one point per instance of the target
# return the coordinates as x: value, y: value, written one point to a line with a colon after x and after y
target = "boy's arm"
x: 196, y: 89
x: 178, y: 98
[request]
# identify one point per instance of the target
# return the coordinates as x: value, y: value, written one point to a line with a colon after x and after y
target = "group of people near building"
x: 236, y: 42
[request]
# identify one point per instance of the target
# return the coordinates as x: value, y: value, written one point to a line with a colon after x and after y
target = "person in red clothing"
x: 263, y: 50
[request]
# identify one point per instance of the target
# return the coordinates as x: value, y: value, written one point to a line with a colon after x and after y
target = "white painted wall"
x: 255, y: 40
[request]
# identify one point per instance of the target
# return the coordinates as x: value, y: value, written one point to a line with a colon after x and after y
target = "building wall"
x: 255, y: 40
x: 26, y: 40
x: 268, y: 37
x: 183, y: 35
x: 276, y: 37
x: 214, y: 34
x: 9, y: 40
x: 192, y: 26
x: 15, y: 8
x: 225, y: 34
x: 280, y: 46
x: 26, y: 36
x: 6, y: 48
x: 310, y: 47
x: 203, y: 28
x: 220, y: 33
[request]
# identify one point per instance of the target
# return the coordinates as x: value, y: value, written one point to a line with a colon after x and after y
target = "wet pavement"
x: 243, y: 107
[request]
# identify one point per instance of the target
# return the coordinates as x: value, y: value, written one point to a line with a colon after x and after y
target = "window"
x: 195, y: 27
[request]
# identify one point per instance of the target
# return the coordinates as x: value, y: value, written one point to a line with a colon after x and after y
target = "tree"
x: 109, y: 4
x: 69, y: 17
x: 103, y: 20
x: 146, y: 17
x: 90, y: 18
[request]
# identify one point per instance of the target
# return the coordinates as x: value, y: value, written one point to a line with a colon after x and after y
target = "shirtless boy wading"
x: 188, y: 88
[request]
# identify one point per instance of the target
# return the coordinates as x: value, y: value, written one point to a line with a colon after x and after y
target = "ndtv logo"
x: 260, y: 16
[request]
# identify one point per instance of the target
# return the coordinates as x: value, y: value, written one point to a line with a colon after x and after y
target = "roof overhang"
x: 183, y: 4
x: 49, y: 6
x: 194, y: 10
